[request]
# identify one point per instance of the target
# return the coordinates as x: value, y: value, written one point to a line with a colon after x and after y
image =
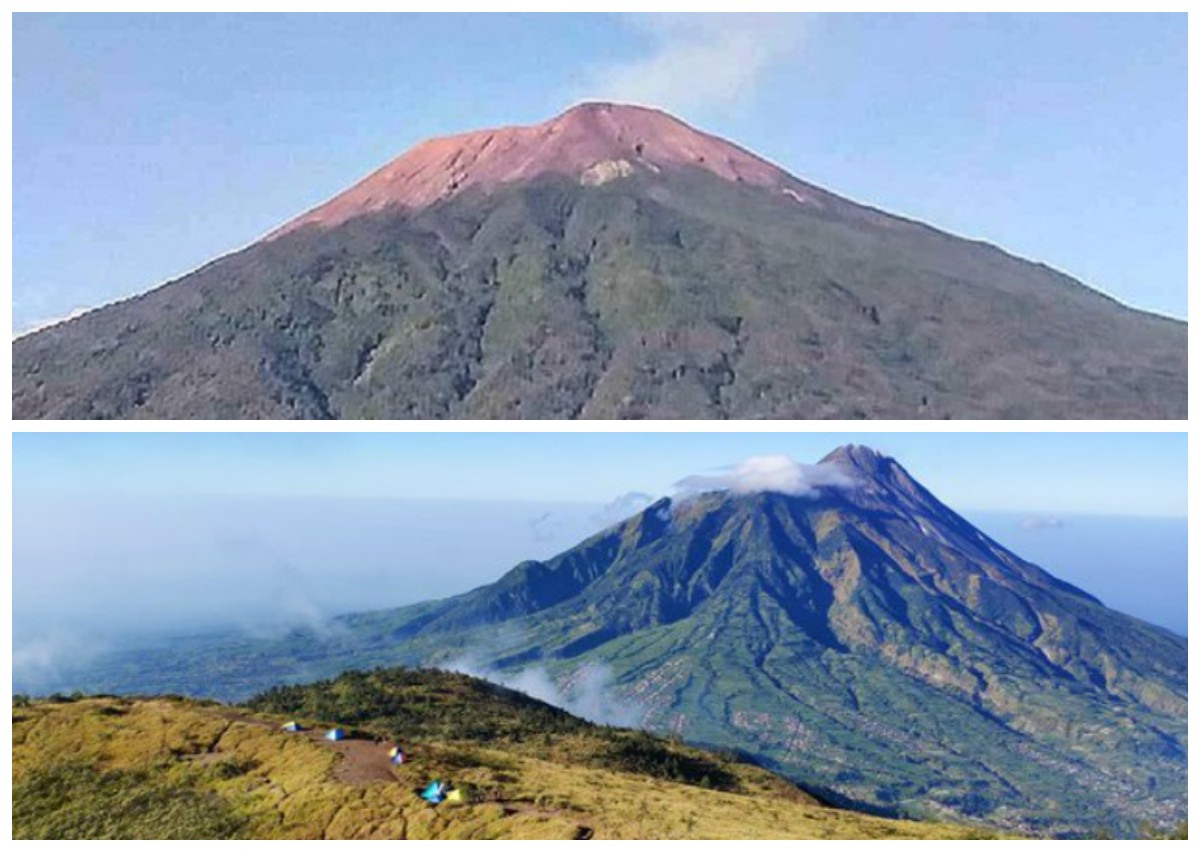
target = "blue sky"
x: 1095, y: 473
x: 144, y: 146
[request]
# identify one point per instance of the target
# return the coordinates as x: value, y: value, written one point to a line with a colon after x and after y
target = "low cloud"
x: 566, y: 528
x: 779, y: 474
x: 623, y: 507
x: 588, y: 692
x: 293, y: 604
x: 1043, y: 523
x: 42, y: 662
x: 697, y: 60
x: 546, y: 527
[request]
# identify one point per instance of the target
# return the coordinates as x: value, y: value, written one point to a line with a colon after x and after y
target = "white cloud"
x: 293, y: 603
x: 546, y: 527
x: 779, y: 474
x: 41, y: 662
x: 1043, y: 523
x: 697, y: 60
x: 622, y: 508
x: 588, y: 692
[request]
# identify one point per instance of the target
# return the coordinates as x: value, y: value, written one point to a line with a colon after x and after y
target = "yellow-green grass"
x: 172, y: 767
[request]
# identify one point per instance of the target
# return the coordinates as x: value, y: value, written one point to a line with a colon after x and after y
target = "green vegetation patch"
x: 422, y: 704
x: 644, y: 754
x: 73, y: 802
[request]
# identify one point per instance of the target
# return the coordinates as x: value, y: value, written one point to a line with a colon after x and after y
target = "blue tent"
x: 292, y: 726
x: 435, y: 793
x: 335, y: 734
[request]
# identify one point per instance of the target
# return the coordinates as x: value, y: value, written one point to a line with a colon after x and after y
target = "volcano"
x: 612, y: 262
x: 854, y: 634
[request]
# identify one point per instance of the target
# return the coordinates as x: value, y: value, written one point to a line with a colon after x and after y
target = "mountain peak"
x: 856, y: 453
x: 592, y: 142
x: 860, y: 458
x: 883, y: 481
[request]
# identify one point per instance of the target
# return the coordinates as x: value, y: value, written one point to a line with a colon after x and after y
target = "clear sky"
x: 1096, y: 473
x: 144, y: 146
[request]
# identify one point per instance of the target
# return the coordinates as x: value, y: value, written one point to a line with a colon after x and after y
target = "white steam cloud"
x: 41, y: 662
x: 587, y: 693
x: 698, y: 60
x: 294, y: 605
x: 779, y: 474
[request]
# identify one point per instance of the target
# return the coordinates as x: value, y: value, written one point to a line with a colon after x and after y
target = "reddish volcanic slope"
x: 594, y: 142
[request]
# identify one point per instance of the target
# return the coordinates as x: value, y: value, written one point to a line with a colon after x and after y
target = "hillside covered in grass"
x: 168, y: 767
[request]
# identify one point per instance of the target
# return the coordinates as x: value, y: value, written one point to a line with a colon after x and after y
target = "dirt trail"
x: 363, y: 762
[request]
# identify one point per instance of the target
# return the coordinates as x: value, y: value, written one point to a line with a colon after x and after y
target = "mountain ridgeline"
x: 862, y: 639
x: 612, y: 262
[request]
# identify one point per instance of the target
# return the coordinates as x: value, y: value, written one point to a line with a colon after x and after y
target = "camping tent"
x: 292, y: 726
x: 397, y: 755
x: 435, y: 793
x: 335, y: 734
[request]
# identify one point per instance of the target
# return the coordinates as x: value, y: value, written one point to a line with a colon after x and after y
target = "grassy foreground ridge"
x: 169, y: 767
